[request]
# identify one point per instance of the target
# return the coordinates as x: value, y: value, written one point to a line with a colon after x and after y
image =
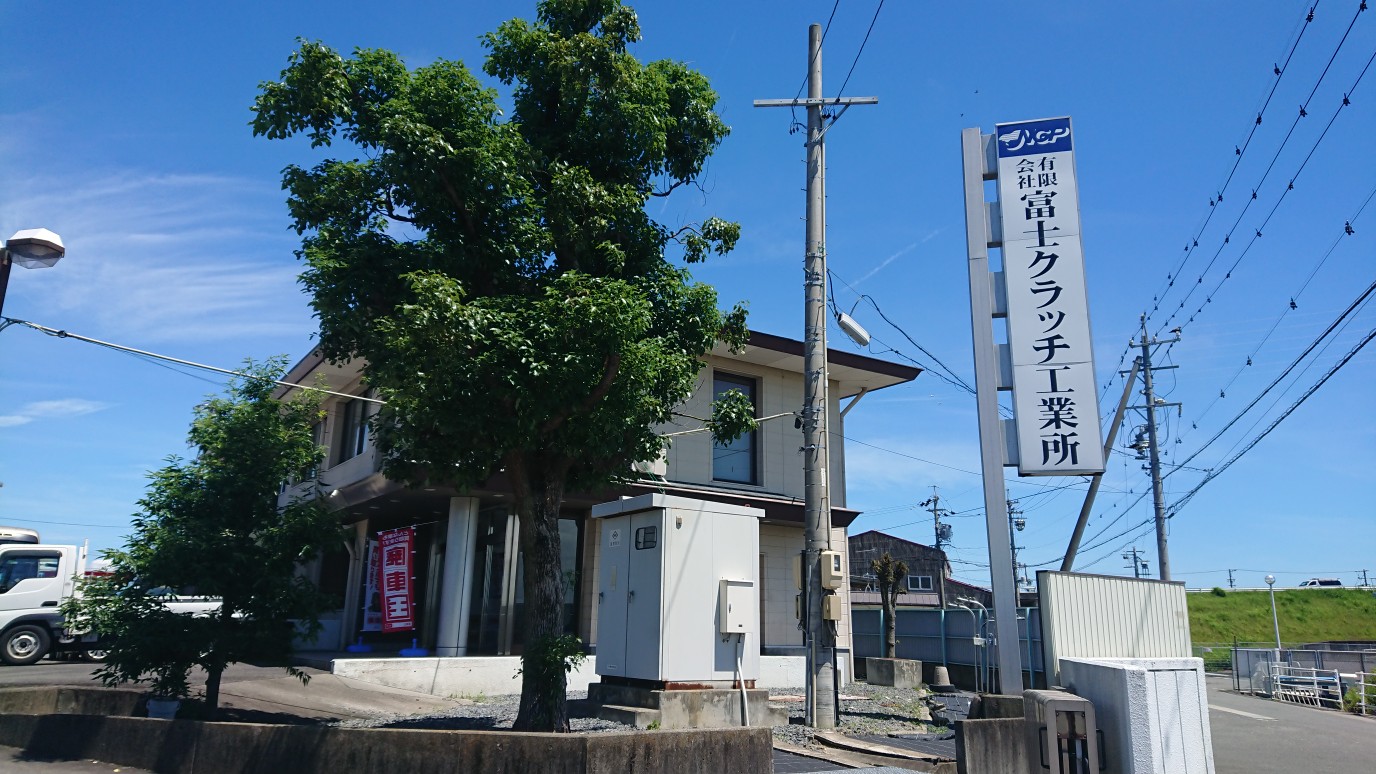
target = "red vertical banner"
x: 395, y: 579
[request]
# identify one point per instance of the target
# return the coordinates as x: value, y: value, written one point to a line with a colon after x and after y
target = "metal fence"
x: 950, y: 638
x: 1252, y: 666
x: 1310, y: 687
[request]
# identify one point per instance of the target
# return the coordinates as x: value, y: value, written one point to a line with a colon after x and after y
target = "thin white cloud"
x: 153, y: 259
x: 51, y: 409
x: 884, y: 264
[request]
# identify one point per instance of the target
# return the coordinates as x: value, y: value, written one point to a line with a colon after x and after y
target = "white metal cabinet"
x: 662, y: 563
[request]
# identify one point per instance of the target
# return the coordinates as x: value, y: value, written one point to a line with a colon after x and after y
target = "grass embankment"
x: 1305, y: 615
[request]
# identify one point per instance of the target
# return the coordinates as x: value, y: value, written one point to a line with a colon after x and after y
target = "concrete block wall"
x: 190, y: 747
x: 994, y: 746
x: 498, y: 675
x: 1153, y: 712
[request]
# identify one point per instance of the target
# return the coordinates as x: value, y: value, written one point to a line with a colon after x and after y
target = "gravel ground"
x: 880, y: 710
x: 482, y: 713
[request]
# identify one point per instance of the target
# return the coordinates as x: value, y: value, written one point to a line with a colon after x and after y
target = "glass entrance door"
x: 490, y: 559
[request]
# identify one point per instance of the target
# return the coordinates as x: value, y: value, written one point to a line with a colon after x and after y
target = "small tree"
x: 891, y: 574
x: 212, y: 523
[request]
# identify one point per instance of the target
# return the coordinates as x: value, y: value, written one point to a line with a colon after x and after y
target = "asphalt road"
x: 1253, y: 735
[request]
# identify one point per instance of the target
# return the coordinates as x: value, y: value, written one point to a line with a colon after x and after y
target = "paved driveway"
x: 1259, y: 736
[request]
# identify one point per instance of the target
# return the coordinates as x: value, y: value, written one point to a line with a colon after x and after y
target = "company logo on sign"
x: 1050, y: 135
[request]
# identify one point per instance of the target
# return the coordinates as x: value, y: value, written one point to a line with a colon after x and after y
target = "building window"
x: 736, y: 461
x: 919, y: 583
x: 353, y: 429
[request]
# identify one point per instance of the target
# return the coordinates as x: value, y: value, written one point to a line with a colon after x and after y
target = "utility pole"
x: 1230, y: 580
x: 1139, y: 565
x: 1015, y: 522
x: 1158, y: 496
x: 1364, y: 581
x: 820, y: 635
x: 943, y: 539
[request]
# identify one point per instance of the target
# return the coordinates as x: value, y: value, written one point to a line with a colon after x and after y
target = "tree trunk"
x: 212, y: 690
x: 890, y: 627
x: 539, y: 493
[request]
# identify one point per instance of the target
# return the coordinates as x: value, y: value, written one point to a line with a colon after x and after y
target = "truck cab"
x: 34, y: 580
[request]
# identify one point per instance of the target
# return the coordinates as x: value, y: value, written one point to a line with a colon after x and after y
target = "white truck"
x: 35, y: 579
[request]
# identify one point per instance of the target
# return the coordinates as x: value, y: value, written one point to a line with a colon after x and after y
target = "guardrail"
x: 1310, y: 687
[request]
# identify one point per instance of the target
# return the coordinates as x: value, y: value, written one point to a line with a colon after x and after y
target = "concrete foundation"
x: 188, y: 747
x: 994, y: 746
x: 643, y: 707
x: 897, y: 672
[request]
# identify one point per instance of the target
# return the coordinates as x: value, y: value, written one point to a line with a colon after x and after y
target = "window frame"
x: 354, y: 433
x: 750, y: 385
x: 919, y: 588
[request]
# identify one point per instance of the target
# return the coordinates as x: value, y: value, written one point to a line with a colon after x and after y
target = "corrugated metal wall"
x: 1104, y: 616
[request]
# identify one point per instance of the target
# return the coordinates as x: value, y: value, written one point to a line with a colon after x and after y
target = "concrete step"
x: 640, y: 717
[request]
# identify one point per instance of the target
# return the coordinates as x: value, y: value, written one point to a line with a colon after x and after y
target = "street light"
x: 31, y: 248
x: 1271, y: 584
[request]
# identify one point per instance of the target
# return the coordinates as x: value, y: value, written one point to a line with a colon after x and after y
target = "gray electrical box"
x: 678, y: 590
x: 1062, y: 737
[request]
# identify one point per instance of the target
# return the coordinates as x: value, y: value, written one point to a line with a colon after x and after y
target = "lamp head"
x: 853, y: 329
x: 1270, y: 580
x: 35, y: 247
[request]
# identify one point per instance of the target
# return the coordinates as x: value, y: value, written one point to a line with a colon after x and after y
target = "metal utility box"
x: 678, y: 590
x: 1061, y: 735
x: 833, y: 574
x: 1154, y: 712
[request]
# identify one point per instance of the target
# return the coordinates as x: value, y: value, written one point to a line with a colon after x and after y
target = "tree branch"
x: 668, y: 190
x: 391, y: 209
x: 611, y: 368
x: 453, y: 195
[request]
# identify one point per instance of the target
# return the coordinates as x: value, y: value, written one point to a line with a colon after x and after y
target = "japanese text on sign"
x: 394, y: 579
x: 1056, y: 406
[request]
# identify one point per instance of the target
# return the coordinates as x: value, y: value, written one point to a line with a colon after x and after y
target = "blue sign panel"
x: 1049, y: 135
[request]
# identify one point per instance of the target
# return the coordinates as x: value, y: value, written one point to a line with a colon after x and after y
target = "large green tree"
x: 516, y: 306
x: 213, y: 523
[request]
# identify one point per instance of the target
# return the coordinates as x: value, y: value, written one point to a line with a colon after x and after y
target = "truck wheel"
x: 25, y: 644
x: 96, y: 653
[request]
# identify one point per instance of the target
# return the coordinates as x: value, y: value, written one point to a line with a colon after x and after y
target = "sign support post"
x: 977, y: 152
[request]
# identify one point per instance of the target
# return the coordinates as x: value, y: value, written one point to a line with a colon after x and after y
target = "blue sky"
x: 126, y: 131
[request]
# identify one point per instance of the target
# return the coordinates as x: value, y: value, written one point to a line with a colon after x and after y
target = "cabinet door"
x: 644, y: 628
x: 612, y: 582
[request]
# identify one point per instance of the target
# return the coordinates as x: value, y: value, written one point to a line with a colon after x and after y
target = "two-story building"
x: 467, y: 565
x: 928, y: 582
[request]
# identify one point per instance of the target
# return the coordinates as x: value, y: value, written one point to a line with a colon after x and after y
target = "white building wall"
x: 778, y: 545
x: 689, y: 459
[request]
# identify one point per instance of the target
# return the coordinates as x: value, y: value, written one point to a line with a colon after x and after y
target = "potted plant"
x: 168, y: 687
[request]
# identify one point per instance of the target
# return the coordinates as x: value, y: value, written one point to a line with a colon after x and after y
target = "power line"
x: 856, y: 61
x: 1180, y: 503
x: 954, y: 378
x: 1327, y: 331
x: 1257, y: 232
x: 1239, y: 152
x: 793, y: 110
x: 1291, y: 306
x: 61, y: 334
